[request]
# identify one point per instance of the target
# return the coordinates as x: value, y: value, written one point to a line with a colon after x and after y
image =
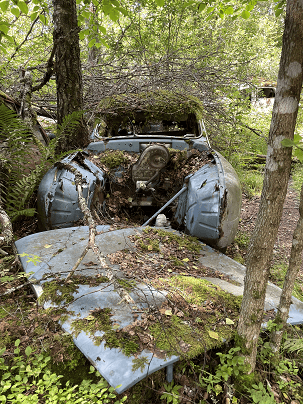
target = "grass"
x: 251, y: 182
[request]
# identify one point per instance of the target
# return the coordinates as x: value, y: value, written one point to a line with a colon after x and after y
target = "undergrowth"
x: 20, y: 180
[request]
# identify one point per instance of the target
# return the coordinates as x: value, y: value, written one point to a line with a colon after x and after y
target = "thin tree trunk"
x: 68, y: 71
x: 295, y: 263
x: 276, y: 177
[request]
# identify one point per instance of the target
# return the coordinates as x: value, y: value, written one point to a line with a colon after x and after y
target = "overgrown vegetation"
x: 24, y: 160
x: 34, y: 351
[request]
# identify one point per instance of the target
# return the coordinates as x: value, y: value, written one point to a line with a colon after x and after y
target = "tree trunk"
x: 276, y: 177
x: 68, y: 71
x: 295, y: 262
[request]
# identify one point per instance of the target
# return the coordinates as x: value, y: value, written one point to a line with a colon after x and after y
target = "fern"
x: 293, y: 345
x: 17, y: 188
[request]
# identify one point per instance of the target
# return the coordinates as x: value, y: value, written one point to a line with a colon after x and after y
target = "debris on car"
x: 154, y: 158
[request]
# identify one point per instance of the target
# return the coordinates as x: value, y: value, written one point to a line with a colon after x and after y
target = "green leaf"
x: 4, y: 5
x: 114, y: 14
x: 245, y: 14
x: 17, y: 342
x: 299, y: 154
x: 288, y: 143
x: 106, y: 8
x: 229, y: 321
x: 23, y: 7
x: 213, y: 334
x: 160, y: 3
x: 28, y: 350
x: 15, y: 11
x: 202, y: 6
x: 4, y: 28
x: 103, y: 30
x: 82, y: 34
x: 229, y: 10
x: 250, y: 7
x: 86, y: 14
x: 33, y: 16
x: 210, y: 9
x: 43, y: 19
x: 92, y: 43
x: 297, y: 138
x: 278, y: 12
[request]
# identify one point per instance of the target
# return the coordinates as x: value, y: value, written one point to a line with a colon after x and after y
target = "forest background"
x: 130, y: 47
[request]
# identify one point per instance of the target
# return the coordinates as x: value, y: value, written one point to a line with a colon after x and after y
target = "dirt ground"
x: 288, y: 224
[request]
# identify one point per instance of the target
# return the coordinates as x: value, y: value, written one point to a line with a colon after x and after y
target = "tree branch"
x: 49, y: 71
x: 92, y: 234
x: 25, y: 39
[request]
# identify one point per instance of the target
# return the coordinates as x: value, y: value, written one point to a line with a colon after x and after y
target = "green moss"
x: 57, y: 291
x: 59, y: 311
x: 242, y: 239
x: 99, y: 320
x: 139, y: 363
x: 127, y: 284
x: 253, y: 318
x: 193, y: 332
x: 200, y: 290
x: 239, y: 259
x: 256, y: 294
x: 148, y: 244
x: 4, y: 312
x: 113, y: 158
x: 176, y: 262
x: 183, y: 241
x: 177, y: 156
x: 156, y: 105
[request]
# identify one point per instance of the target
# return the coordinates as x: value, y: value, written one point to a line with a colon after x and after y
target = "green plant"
x: 171, y: 394
x: 31, y: 258
x: 260, y: 395
x: 18, y: 187
x: 231, y: 364
x: 287, y: 367
x: 293, y: 345
x: 242, y: 239
x: 28, y: 378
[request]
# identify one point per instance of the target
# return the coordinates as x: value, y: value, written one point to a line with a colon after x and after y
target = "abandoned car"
x: 151, y: 156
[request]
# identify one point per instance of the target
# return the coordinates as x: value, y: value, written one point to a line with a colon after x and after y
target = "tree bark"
x: 68, y: 71
x: 277, y: 170
x: 295, y: 263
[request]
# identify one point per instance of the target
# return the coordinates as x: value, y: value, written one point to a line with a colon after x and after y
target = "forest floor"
x: 38, y: 328
x: 249, y: 212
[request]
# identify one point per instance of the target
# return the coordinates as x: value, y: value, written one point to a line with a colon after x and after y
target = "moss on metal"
x: 149, y: 106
